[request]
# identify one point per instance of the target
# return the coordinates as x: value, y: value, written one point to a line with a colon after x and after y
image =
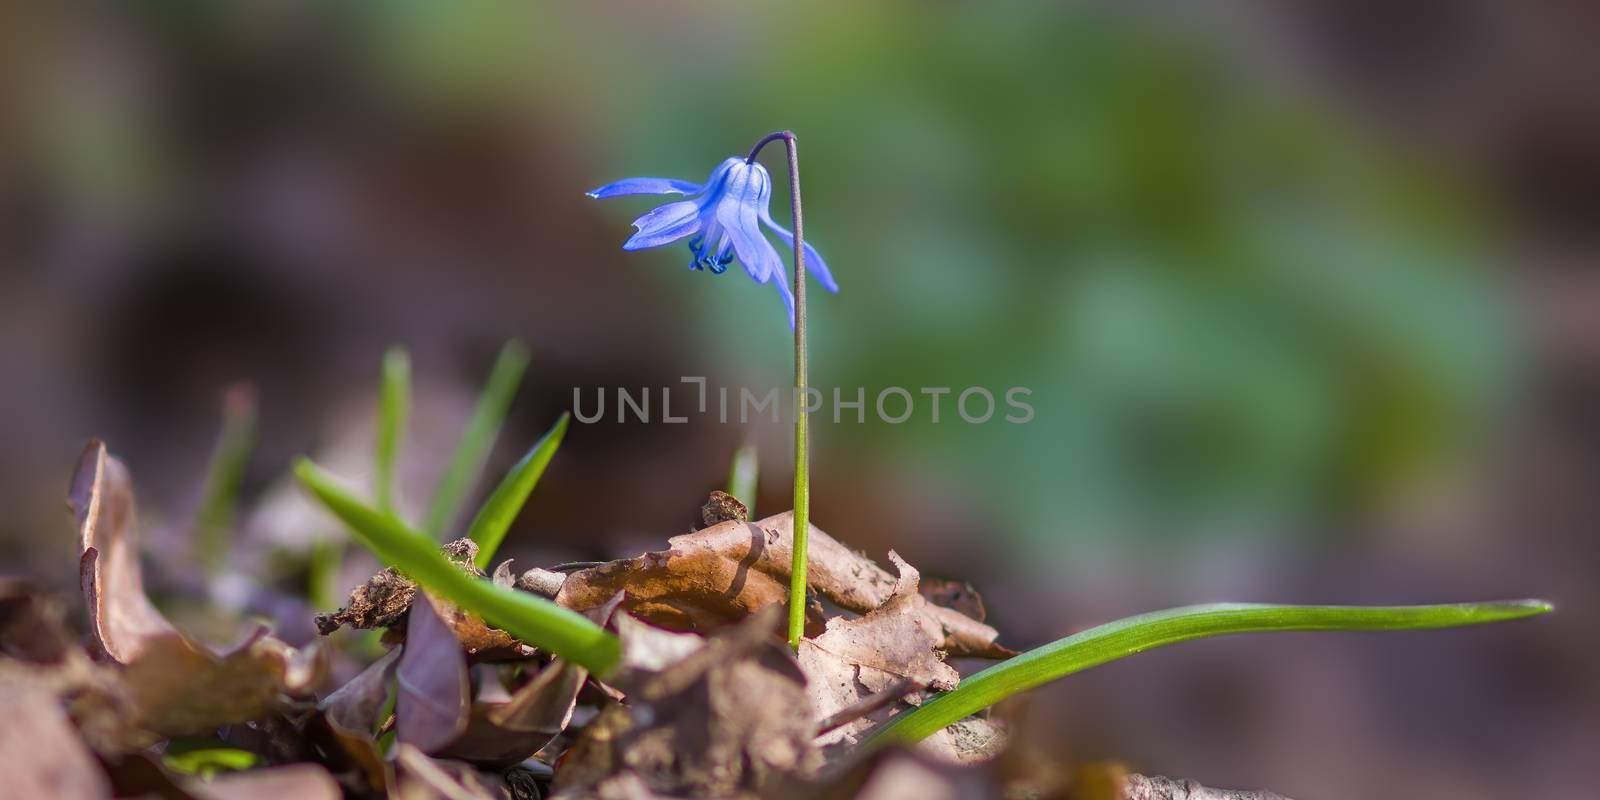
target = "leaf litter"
x: 708, y: 700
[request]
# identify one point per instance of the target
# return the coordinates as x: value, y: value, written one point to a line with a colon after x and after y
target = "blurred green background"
x: 1301, y: 292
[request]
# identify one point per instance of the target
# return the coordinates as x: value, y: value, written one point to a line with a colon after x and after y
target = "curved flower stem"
x: 802, y: 462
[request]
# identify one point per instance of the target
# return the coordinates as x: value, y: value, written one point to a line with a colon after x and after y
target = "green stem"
x: 802, y: 461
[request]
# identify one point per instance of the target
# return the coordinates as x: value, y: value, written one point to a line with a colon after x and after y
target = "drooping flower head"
x: 722, y: 220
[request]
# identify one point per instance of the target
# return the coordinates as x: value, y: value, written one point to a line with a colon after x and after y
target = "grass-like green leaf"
x: 743, y: 475
x: 526, y: 616
x: 394, y: 407
x: 1125, y: 637
x: 205, y: 761
x: 495, y: 517
x: 214, y: 522
x: 478, y: 438
x: 323, y: 564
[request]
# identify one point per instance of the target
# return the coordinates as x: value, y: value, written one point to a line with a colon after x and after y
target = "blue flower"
x: 722, y: 220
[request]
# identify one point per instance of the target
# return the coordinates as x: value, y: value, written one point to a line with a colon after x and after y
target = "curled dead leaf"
x: 122, y: 619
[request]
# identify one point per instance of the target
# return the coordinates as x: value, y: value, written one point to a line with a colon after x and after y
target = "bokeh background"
x: 1305, y: 294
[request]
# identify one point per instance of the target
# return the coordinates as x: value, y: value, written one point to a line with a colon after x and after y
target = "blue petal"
x: 814, y: 263
x: 645, y: 186
x: 664, y: 225
x: 785, y: 292
x: 738, y: 215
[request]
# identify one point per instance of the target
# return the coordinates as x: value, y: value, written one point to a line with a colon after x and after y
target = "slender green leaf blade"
x: 479, y: 437
x: 526, y: 616
x: 208, y: 761
x: 322, y: 571
x: 215, y: 520
x: 495, y: 517
x: 394, y: 408
x: 743, y: 476
x: 1130, y: 635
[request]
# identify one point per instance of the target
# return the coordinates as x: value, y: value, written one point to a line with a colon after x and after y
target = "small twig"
x: 869, y: 704
x: 1145, y: 787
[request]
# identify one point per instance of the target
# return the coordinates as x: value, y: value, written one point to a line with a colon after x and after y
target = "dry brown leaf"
x: 41, y: 754
x: 1155, y: 787
x: 297, y: 781
x: 974, y: 740
x: 729, y: 720
x: 33, y: 625
x: 720, y: 575
x: 648, y: 648
x: 425, y: 778
x: 480, y: 641
x: 434, y: 694
x: 434, y: 712
x: 898, y: 638
x: 356, y: 705
x: 694, y: 589
x: 349, y: 718
x: 897, y: 772
x: 174, y: 686
x: 504, y: 734
x: 954, y: 595
x: 503, y: 576
x: 121, y: 618
x: 177, y: 689
x: 541, y: 581
x: 854, y: 659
